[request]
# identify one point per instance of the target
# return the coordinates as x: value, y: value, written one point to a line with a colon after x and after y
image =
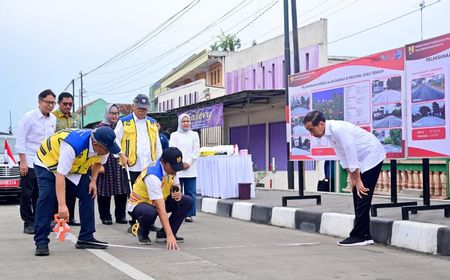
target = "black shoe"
x: 354, y: 241
x: 74, y: 223
x: 152, y: 227
x: 91, y: 244
x: 107, y: 222
x: 143, y: 240
x: 122, y: 221
x: 28, y: 230
x: 42, y: 251
x: 161, y: 237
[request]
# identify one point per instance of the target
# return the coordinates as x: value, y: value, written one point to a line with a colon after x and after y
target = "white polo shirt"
x: 354, y: 146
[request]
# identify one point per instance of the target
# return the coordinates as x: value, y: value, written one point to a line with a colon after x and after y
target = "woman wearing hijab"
x: 189, y: 144
x: 113, y: 182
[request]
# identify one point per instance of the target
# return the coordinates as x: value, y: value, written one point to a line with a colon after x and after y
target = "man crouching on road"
x: 154, y: 194
x: 64, y: 159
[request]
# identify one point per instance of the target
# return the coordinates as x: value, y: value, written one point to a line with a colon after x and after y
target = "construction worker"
x: 63, y: 161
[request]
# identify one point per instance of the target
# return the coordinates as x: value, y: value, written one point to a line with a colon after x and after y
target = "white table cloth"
x: 219, y: 176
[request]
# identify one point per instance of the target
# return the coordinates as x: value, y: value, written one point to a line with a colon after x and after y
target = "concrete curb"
x: 308, y: 221
x: 421, y: 237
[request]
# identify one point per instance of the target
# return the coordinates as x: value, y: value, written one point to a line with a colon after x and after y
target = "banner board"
x: 368, y: 92
x: 427, y: 86
x: 206, y: 117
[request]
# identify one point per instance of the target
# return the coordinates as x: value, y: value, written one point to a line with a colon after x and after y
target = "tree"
x: 436, y: 108
x: 227, y: 42
x: 424, y: 111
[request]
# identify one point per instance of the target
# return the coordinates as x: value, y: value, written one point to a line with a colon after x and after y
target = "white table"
x: 219, y: 176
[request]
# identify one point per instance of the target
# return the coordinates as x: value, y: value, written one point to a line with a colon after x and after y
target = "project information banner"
x: 427, y: 85
x: 367, y: 92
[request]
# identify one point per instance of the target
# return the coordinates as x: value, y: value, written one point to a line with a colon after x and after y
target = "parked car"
x: 9, y: 177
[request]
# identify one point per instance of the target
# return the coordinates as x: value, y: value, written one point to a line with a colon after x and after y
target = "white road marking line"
x: 115, y: 262
x: 120, y: 265
x: 256, y: 245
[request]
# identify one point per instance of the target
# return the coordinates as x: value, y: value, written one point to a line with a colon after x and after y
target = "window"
x: 180, y: 101
x: 307, y: 61
x: 190, y: 98
x: 273, y: 75
x: 185, y: 100
x: 159, y: 107
x: 195, y: 97
x: 254, y: 79
x: 164, y: 105
x: 263, y: 77
x: 171, y: 103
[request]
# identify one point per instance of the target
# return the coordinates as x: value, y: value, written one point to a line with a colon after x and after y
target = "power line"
x: 165, y: 54
x: 383, y: 23
x: 147, y: 37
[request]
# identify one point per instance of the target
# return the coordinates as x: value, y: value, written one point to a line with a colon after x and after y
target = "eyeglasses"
x: 49, y: 103
x: 67, y: 104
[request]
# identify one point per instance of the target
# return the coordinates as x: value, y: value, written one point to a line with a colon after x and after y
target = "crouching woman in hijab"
x: 188, y: 142
x: 113, y: 182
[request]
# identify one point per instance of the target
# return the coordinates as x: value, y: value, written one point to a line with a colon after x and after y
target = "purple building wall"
x: 261, y: 75
x: 238, y: 135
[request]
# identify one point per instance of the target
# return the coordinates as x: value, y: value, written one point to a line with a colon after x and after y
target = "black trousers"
x: 104, y: 203
x: 146, y: 214
x: 28, y: 197
x: 362, y: 205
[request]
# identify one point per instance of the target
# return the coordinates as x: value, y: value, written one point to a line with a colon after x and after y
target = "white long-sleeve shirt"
x: 143, y: 149
x: 354, y: 146
x: 189, y: 145
x: 33, y: 129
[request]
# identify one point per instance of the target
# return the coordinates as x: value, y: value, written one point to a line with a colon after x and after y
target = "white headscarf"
x: 106, y: 116
x: 180, y: 125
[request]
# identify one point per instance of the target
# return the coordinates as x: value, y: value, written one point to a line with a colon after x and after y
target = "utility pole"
x: 73, y: 93
x: 81, y: 99
x: 422, y: 5
x: 10, y: 123
x: 287, y: 70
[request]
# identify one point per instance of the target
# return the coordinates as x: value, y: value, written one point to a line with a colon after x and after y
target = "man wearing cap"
x: 138, y: 137
x: 154, y: 194
x: 64, y: 159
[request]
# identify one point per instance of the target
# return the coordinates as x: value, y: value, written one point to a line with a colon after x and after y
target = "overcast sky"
x: 45, y: 44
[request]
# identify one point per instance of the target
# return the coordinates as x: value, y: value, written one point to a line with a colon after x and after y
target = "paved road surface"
x: 215, y: 248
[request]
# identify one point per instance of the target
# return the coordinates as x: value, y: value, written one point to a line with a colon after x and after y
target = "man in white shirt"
x: 138, y: 137
x: 362, y: 155
x: 35, y: 126
x: 64, y: 160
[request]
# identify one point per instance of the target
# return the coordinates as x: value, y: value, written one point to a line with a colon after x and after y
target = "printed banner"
x: 368, y: 92
x: 427, y: 86
x: 206, y: 117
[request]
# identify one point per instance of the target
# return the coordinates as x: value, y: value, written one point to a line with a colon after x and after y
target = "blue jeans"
x: 190, y: 189
x: 46, y: 202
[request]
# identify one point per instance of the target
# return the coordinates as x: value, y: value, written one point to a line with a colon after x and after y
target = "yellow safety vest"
x: 140, y: 193
x: 49, y: 151
x: 129, y: 139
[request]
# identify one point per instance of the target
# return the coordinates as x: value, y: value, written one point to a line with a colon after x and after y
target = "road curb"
x: 416, y: 236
